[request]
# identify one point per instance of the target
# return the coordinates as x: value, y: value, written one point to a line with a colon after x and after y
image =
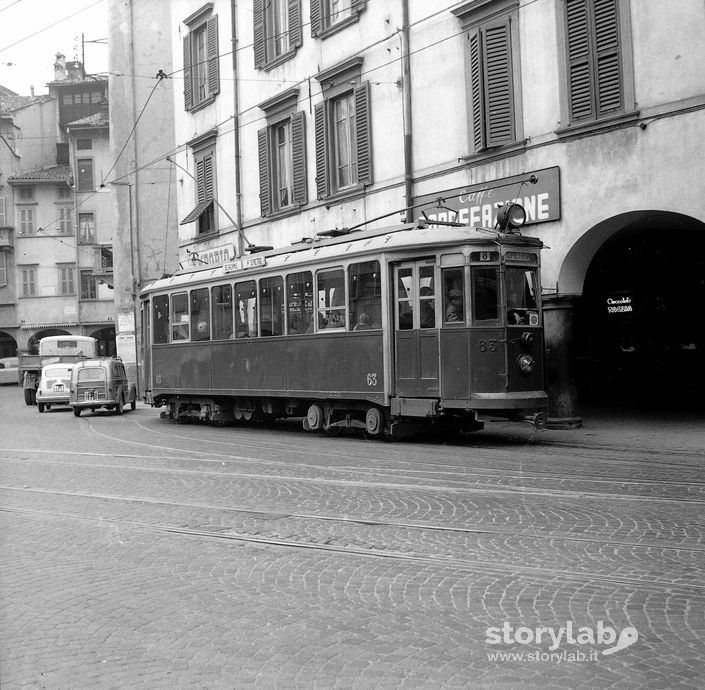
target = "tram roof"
x: 411, y: 236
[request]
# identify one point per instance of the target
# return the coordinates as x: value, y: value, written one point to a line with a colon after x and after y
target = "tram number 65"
x: 488, y: 345
x: 372, y: 379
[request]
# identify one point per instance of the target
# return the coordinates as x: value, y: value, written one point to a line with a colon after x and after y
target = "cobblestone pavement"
x: 135, y: 553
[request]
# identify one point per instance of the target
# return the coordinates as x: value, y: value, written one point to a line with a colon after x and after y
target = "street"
x: 139, y: 553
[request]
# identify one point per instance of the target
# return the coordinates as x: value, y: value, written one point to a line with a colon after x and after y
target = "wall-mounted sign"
x: 217, y: 255
x: 477, y: 204
x: 245, y: 263
x: 620, y: 304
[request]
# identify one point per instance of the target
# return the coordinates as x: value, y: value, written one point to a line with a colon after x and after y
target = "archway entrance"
x: 640, y: 326
x: 33, y: 342
x: 106, y: 341
x: 8, y: 345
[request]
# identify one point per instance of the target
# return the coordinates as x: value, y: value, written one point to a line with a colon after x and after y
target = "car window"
x: 91, y: 374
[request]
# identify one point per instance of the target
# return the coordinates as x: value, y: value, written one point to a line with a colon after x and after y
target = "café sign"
x: 477, y: 204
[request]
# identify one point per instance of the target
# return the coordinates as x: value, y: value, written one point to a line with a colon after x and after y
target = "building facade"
x: 294, y: 117
x: 54, y: 226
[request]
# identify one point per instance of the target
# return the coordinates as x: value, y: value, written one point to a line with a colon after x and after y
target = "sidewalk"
x: 617, y: 425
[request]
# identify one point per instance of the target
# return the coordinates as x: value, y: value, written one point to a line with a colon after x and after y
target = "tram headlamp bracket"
x: 510, y: 217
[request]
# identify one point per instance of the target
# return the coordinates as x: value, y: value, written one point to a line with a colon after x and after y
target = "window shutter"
x: 259, y: 45
x: 213, y: 58
x: 200, y: 180
x: 322, y: 182
x: 316, y: 17
x: 208, y: 186
x: 498, y: 95
x: 609, y: 69
x: 363, y: 133
x: 264, y: 184
x: 188, y: 92
x: 298, y: 155
x: 579, y: 66
x: 295, y: 33
x: 477, y: 93
x: 358, y: 5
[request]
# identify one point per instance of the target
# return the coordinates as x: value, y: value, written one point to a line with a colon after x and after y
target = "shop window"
x: 299, y: 308
x: 222, y: 312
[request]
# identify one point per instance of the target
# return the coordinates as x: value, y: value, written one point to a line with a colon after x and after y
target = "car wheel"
x: 40, y: 407
x: 76, y: 411
x: 29, y: 396
x: 133, y: 404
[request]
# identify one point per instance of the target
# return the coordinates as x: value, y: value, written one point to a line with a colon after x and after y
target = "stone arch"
x: 33, y: 340
x: 106, y: 341
x: 8, y: 345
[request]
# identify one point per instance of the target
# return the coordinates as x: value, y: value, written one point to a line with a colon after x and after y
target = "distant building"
x: 55, y: 228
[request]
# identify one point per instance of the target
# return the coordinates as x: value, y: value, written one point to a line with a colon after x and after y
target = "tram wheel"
x: 314, y: 417
x: 374, y: 421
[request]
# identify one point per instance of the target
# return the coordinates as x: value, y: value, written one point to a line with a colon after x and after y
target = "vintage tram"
x: 385, y: 330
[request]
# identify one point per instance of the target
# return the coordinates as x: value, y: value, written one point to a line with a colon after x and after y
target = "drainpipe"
x: 406, y: 96
x: 236, y: 128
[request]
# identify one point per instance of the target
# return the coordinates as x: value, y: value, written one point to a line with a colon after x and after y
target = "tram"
x: 387, y: 330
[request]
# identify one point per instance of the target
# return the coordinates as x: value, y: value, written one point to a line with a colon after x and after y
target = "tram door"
x: 416, y: 321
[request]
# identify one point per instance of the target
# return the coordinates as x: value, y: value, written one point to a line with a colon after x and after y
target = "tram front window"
x: 522, y: 305
x: 485, y: 297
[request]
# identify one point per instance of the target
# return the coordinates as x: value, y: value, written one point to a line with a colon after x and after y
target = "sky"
x: 33, y: 31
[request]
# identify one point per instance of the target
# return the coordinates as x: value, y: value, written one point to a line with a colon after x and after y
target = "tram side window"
x: 222, y: 312
x: 485, y: 296
x: 405, y: 299
x: 427, y: 297
x: 330, y: 286
x: 365, y: 295
x: 271, y: 306
x: 160, y: 319
x: 246, y: 309
x: 522, y: 309
x: 200, y: 315
x: 179, y: 317
x: 453, y: 296
x: 299, y: 297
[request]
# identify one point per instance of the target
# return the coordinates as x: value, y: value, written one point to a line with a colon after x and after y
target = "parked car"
x: 54, y: 385
x: 9, y: 370
x: 101, y: 383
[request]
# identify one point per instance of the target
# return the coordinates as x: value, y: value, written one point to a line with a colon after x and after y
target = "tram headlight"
x: 510, y: 217
x: 526, y: 364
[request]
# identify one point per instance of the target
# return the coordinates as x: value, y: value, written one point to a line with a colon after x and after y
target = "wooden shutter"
x: 208, y: 181
x: 321, y: 134
x: 317, y: 9
x: 477, y: 90
x: 200, y: 180
x: 258, y: 29
x: 188, y: 90
x: 363, y: 132
x: 358, y: 5
x: 499, y: 105
x: 580, y: 87
x: 213, y: 57
x: 609, y: 68
x: 298, y: 156
x: 594, y: 59
x: 264, y: 177
x: 295, y: 32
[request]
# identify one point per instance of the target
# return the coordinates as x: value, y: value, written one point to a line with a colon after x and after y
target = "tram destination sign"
x: 244, y: 263
x: 477, y: 204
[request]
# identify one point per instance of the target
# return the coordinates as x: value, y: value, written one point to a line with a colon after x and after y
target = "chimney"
x: 60, y: 67
x: 31, y: 91
x: 75, y: 70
